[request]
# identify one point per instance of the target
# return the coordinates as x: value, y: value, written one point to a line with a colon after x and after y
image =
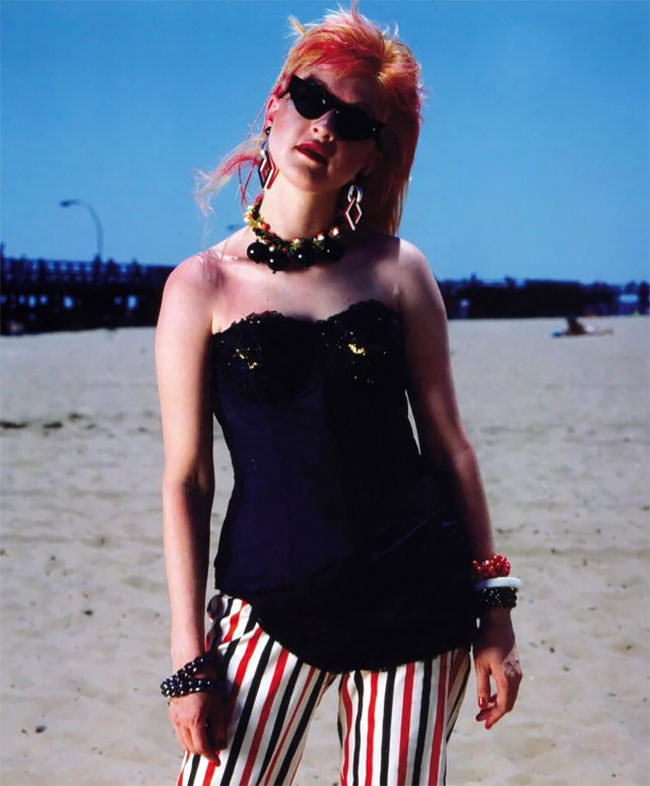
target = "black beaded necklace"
x: 300, y: 252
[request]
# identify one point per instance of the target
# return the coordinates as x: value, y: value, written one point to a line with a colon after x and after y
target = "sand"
x: 561, y: 430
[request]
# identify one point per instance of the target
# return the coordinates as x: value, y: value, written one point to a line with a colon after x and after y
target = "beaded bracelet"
x: 500, y: 581
x: 496, y: 565
x: 175, y: 686
x: 185, y: 681
x: 196, y: 665
x: 497, y: 597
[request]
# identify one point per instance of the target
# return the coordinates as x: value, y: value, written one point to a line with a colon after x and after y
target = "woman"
x: 346, y: 553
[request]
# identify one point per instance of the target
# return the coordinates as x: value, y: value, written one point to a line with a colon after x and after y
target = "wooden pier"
x: 43, y: 295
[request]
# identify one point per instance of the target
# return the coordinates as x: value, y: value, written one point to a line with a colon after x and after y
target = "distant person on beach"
x: 576, y: 328
x: 348, y: 554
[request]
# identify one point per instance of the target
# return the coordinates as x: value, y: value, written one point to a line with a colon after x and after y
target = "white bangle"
x: 502, y: 581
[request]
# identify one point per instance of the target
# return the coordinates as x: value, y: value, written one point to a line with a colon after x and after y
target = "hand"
x: 495, y: 655
x: 200, y: 721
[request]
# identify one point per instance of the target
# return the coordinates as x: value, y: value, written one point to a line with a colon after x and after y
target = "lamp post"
x: 95, y: 217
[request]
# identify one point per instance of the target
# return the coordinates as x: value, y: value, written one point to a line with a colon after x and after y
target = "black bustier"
x: 343, y: 540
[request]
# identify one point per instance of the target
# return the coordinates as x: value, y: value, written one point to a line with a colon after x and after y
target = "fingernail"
x: 482, y: 702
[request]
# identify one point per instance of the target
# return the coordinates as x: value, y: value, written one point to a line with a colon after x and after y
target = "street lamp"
x: 95, y: 217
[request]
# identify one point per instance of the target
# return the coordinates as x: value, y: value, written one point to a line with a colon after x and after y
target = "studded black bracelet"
x: 192, y: 668
x: 497, y: 597
x: 184, y: 681
x: 175, y: 686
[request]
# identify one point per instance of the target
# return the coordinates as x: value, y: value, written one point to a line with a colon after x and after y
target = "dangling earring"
x: 353, y: 212
x: 266, y: 169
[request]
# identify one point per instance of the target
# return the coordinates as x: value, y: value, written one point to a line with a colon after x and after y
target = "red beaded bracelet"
x: 496, y: 566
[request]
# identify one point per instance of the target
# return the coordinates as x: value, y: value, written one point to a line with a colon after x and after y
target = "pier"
x: 39, y: 295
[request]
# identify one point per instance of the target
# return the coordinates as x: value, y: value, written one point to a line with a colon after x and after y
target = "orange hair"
x: 349, y: 43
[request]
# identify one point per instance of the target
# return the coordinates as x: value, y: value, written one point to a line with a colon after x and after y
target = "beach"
x: 560, y: 427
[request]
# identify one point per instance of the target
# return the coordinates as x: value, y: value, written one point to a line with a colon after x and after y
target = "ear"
x: 271, y: 109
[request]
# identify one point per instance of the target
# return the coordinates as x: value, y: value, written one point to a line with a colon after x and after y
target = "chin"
x: 314, y: 181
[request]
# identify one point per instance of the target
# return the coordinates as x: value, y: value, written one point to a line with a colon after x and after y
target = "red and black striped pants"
x: 393, y: 725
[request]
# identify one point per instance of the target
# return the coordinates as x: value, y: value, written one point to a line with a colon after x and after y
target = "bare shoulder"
x: 400, y: 253
x: 190, y: 292
x: 416, y: 284
x: 200, y: 273
x: 413, y: 266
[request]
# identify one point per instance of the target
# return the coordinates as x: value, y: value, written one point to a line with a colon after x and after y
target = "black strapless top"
x: 344, y: 542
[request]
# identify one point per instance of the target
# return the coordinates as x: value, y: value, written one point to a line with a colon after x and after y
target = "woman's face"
x: 309, y: 153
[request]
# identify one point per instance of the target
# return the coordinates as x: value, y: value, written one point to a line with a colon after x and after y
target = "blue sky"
x: 533, y: 159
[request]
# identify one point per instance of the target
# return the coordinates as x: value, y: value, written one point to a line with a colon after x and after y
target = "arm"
x: 444, y: 442
x: 181, y: 345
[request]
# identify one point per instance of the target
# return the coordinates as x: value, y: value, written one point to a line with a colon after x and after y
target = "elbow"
x: 453, y: 450
x: 185, y: 502
x: 461, y: 453
x: 449, y: 447
x: 196, y: 486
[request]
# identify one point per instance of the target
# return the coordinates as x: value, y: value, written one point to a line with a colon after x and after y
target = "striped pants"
x: 393, y: 725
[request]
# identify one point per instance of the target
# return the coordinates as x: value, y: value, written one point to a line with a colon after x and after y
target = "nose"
x: 325, y: 124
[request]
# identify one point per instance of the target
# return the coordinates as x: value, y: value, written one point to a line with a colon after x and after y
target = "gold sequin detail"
x: 242, y: 356
x: 356, y: 350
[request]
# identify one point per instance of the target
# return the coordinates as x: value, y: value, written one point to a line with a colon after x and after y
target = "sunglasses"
x: 351, y: 123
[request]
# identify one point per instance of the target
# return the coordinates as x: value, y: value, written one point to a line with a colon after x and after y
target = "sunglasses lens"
x: 312, y: 101
x: 354, y: 124
x: 307, y: 98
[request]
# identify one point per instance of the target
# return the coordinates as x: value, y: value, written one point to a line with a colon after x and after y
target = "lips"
x: 313, y: 150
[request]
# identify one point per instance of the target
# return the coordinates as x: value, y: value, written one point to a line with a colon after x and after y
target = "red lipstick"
x: 313, y: 150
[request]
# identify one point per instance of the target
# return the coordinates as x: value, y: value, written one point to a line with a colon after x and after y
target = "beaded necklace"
x: 300, y: 252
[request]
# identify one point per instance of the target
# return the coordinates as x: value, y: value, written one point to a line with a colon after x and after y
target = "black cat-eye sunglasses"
x: 351, y: 122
